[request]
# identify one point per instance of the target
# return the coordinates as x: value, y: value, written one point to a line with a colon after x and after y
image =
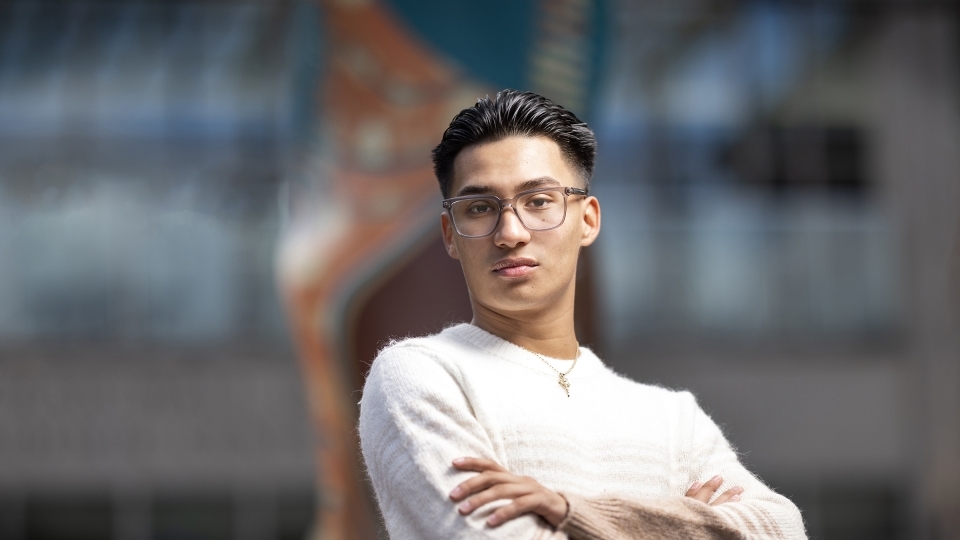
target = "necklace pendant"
x: 565, y: 384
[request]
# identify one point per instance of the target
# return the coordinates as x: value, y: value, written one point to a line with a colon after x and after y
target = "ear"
x: 446, y: 227
x: 591, y: 221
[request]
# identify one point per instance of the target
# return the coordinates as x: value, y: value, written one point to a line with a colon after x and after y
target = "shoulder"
x: 681, y: 404
x: 691, y: 418
x: 679, y: 407
x: 683, y: 412
x: 414, y: 366
x: 417, y: 353
x: 414, y: 386
x: 663, y: 398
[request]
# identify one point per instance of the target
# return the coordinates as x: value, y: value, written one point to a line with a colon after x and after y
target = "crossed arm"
x: 495, y: 483
x: 415, y: 419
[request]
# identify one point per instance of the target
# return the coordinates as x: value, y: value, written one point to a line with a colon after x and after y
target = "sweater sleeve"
x: 761, y: 514
x: 414, y: 420
x: 613, y: 518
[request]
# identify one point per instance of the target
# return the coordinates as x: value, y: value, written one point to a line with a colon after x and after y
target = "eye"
x: 479, y: 208
x: 539, y: 202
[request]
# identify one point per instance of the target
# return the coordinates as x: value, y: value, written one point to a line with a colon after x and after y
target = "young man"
x: 506, y: 427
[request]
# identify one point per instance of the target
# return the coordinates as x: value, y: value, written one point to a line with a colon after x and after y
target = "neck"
x: 550, y: 333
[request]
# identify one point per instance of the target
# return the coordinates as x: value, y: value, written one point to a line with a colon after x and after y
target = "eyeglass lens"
x: 537, y: 211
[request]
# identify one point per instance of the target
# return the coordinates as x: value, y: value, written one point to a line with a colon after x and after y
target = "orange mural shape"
x: 384, y: 102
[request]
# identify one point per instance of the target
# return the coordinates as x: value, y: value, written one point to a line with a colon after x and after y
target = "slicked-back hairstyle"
x: 512, y: 113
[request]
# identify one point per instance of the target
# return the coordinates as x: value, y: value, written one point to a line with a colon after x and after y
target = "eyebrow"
x: 479, y: 189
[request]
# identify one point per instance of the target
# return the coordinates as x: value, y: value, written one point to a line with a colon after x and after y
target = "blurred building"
x: 147, y: 387
x: 779, y: 183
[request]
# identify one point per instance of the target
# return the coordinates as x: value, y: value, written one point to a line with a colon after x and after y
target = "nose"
x: 510, y: 231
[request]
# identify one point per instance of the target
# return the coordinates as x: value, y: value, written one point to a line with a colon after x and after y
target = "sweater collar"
x: 588, y: 362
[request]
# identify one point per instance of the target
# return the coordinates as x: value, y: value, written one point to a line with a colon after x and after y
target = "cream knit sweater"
x: 622, y: 453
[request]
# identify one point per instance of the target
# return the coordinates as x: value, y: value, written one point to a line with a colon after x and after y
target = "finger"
x: 481, y: 482
x: 693, y: 489
x: 496, y: 493
x: 728, y: 496
x: 518, y: 507
x: 477, y: 464
x: 706, y: 491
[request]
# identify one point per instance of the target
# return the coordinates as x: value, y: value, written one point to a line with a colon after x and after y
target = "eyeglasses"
x: 540, y: 209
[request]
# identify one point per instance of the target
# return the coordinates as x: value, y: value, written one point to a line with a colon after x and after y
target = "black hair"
x: 511, y: 113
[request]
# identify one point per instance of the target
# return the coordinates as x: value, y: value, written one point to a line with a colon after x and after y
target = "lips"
x: 515, y: 267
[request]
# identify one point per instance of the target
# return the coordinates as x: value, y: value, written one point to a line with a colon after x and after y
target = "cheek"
x: 471, y: 259
x: 567, y: 254
x: 568, y: 244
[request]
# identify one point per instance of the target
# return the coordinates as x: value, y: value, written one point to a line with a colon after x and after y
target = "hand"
x: 703, y: 492
x: 495, y: 483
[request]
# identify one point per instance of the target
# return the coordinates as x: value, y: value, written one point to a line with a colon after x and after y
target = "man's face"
x: 514, y: 270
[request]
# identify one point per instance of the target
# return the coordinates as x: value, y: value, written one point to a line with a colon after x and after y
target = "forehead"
x: 506, y: 163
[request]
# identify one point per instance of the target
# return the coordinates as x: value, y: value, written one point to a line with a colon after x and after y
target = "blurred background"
x: 213, y: 213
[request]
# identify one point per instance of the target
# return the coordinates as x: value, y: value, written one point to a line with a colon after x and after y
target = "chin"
x: 526, y: 293
x: 512, y: 301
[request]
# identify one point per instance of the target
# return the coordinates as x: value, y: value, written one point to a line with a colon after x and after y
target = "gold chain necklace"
x: 564, y: 383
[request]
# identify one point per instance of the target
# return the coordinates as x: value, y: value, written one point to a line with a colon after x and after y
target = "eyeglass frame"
x: 509, y: 203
